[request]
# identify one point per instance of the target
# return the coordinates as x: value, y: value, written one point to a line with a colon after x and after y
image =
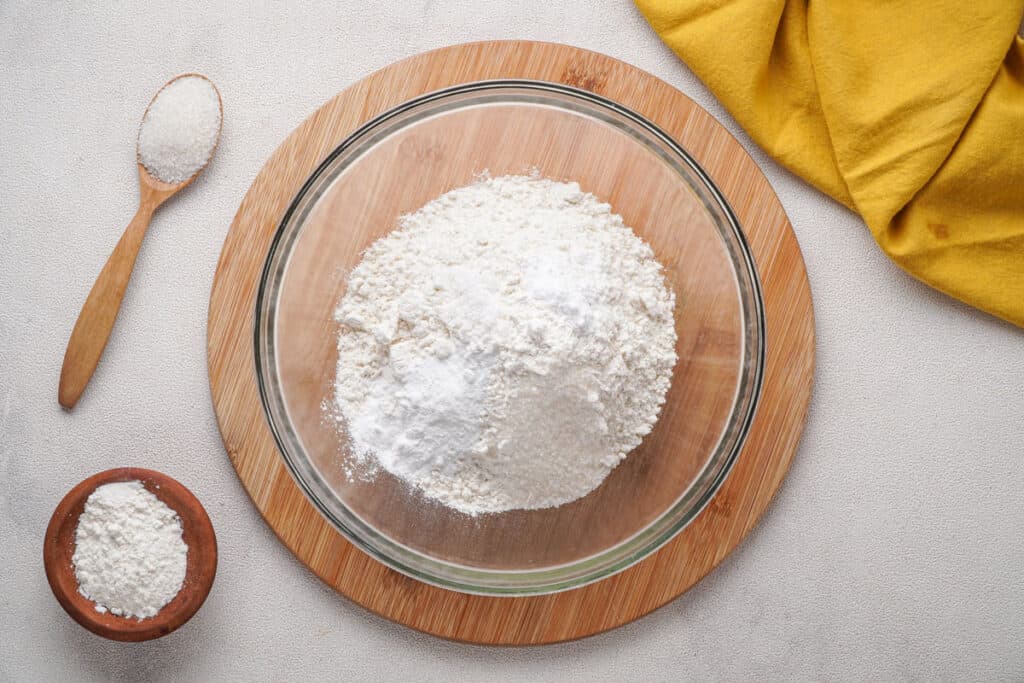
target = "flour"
x: 129, y: 555
x: 506, y: 347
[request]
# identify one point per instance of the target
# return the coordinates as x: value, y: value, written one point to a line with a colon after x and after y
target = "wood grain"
x: 200, y: 569
x: 663, y: 576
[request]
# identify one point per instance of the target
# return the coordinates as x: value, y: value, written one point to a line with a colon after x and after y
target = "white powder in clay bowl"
x: 180, y: 129
x: 130, y: 557
x: 505, y: 348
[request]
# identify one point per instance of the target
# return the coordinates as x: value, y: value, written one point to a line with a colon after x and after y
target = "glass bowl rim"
x: 550, y: 579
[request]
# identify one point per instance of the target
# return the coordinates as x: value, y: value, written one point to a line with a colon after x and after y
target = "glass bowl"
x: 443, y: 140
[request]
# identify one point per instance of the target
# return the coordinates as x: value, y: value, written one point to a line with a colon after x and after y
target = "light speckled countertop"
x: 893, y: 550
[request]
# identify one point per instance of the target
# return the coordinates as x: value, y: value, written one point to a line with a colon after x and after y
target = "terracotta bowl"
x: 201, y: 567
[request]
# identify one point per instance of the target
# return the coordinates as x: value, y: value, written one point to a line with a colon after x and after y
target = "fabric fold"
x: 910, y: 113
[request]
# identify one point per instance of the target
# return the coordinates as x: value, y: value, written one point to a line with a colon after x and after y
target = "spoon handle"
x: 92, y: 330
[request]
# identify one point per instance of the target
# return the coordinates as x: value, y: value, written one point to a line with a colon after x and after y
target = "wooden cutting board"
x: 682, y: 562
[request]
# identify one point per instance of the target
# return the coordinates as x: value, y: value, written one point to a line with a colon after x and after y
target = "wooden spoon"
x: 200, y: 568
x: 96, y: 320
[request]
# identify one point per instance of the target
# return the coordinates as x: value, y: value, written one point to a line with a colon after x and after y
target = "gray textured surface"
x: 892, y: 552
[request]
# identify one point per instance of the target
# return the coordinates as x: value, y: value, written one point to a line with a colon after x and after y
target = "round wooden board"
x: 597, y: 607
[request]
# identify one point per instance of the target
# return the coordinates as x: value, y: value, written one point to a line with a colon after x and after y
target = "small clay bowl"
x: 197, y: 532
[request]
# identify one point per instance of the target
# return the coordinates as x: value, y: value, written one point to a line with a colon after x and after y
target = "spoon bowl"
x: 201, y: 565
x: 152, y: 179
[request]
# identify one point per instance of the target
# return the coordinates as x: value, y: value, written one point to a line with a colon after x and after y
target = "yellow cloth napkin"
x: 910, y: 112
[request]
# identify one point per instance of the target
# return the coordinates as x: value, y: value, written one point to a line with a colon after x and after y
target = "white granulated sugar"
x: 130, y: 557
x: 180, y: 129
x: 506, y: 347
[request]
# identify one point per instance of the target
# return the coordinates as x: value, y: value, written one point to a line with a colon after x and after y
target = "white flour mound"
x: 506, y: 347
x: 130, y: 557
